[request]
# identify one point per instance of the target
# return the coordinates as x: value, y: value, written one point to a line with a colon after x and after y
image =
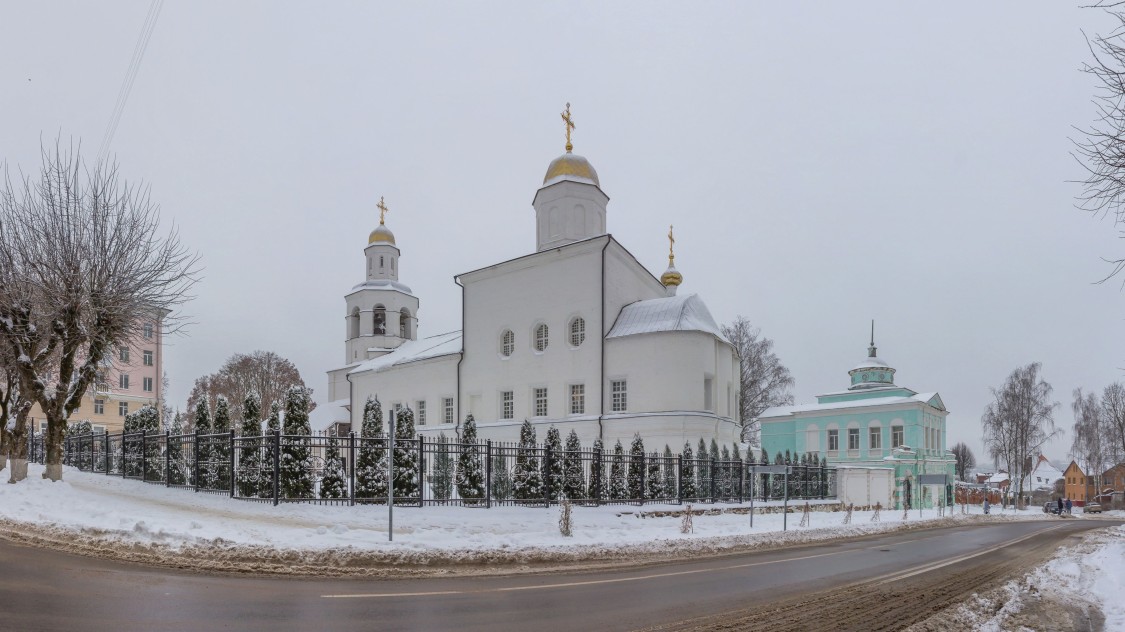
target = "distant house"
x: 1078, y: 486
x: 1042, y: 477
x: 1113, y: 482
x: 998, y: 480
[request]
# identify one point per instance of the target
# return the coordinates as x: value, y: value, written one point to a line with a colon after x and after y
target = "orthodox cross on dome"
x: 569, y: 126
x: 671, y: 242
x: 382, y: 206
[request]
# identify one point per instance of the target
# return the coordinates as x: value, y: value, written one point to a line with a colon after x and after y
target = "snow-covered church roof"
x: 672, y: 313
x: 414, y: 351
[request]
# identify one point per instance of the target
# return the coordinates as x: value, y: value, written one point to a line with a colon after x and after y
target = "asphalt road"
x: 46, y: 590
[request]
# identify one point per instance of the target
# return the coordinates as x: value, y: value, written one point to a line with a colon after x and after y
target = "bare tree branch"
x: 764, y: 381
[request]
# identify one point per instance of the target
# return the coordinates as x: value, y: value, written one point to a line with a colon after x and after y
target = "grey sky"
x: 824, y: 164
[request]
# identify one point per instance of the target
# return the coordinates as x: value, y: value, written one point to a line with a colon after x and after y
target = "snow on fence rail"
x: 352, y: 470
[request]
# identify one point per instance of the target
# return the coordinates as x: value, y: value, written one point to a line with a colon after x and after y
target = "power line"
x: 130, y: 76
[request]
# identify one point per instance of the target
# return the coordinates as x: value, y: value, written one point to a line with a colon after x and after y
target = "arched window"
x: 541, y: 337
x: 507, y: 343
x: 380, y: 262
x: 403, y: 322
x: 577, y: 331
x: 380, y: 314
x: 353, y: 323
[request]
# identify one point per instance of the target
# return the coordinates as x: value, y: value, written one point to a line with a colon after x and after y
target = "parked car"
x: 1092, y: 508
x: 1051, y: 507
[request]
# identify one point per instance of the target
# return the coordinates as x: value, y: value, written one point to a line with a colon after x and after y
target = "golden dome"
x: 571, y: 167
x: 671, y: 277
x: 381, y: 234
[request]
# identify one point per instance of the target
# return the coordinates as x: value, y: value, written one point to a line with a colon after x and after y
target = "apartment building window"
x: 421, y: 412
x: 541, y: 402
x: 123, y: 381
x: 619, y: 396
x: 507, y: 405
x: 833, y: 440
x: 577, y: 399
x: 122, y: 408
x: 853, y: 438
x: 447, y: 406
x: 876, y: 439
x: 148, y: 358
x: 148, y: 331
x: 123, y: 354
x: 99, y: 406
x: 147, y: 384
x: 896, y: 436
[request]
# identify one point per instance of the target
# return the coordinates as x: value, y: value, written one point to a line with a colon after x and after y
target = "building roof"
x: 414, y: 351
x: 785, y: 411
x: 671, y: 313
x: 1043, y: 475
x: 382, y: 284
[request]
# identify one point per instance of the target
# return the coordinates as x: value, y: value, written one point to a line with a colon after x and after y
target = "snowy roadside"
x: 1080, y: 588
x: 133, y: 521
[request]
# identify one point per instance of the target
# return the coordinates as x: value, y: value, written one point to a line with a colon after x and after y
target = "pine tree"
x: 617, y: 488
x: 175, y: 453
x: 687, y: 472
x: 654, y: 482
x: 332, y: 484
x: 803, y: 478
x: 735, y: 451
x: 765, y: 485
x: 574, y: 484
x: 470, y: 474
x: 669, y: 473
x: 703, y: 474
x: 202, y: 423
x: 295, y: 476
x: 405, y: 456
x: 636, y: 468
x: 442, y: 480
x: 250, y: 453
x: 273, y: 426
x: 778, y: 490
x: 553, y: 470
x: 527, y: 480
x: 371, y: 463
x: 725, y: 481
x: 220, y: 446
x: 597, y: 488
x: 501, y: 478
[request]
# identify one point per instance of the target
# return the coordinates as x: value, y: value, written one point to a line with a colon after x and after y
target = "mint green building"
x: 873, y: 423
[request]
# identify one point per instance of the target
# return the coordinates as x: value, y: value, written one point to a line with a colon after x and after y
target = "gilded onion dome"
x: 571, y: 167
x: 381, y: 234
x: 671, y: 276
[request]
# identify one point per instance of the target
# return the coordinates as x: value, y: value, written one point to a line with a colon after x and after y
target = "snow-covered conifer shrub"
x: 574, y: 483
x: 371, y: 462
x: 636, y: 468
x: 470, y: 474
x: 250, y: 448
x: 527, y: 480
x: 441, y: 481
x: 333, y: 485
x: 405, y: 456
x: 296, y: 480
x: 618, y: 489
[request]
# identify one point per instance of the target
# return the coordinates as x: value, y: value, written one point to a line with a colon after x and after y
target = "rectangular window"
x: 123, y: 354
x: 122, y: 408
x: 577, y: 399
x: 708, y: 396
x: 876, y: 439
x: 99, y: 406
x: 896, y: 436
x: 447, y: 412
x: 148, y: 358
x: 147, y: 384
x: 619, y: 401
x: 507, y: 405
x: 123, y: 381
x: 421, y: 412
x: 540, y: 402
x: 98, y: 428
x: 833, y: 440
x: 853, y: 438
x: 148, y: 330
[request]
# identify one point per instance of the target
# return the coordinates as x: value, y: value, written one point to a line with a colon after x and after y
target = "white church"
x: 577, y: 334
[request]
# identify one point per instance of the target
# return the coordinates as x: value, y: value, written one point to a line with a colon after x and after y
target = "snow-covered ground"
x: 1079, y: 586
x: 95, y: 513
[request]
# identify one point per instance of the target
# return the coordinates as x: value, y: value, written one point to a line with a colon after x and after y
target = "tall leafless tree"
x: 1090, y: 444
x: 764, y: 381
x: 964, y: 461
x: 83, y: 264
x: 1101, y: 147
x: 264, y: 373
x: 1113, y: 420
x: 1019, y: 421
x: 14, y: 409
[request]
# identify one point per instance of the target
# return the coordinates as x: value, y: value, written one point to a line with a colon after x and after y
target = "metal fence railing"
x: 327, y: 469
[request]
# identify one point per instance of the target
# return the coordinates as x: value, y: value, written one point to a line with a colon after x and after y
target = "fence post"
x: 232, y: 473
x: 144, y: 462
x: 195, y: 460
x: 276, y: 466
x: 106, y: 457
x: 351, y: 464
x: 547, y: 475
x: 741, y: 479
x: 712, y: 483
x: 167, y: 460
x: 644, y: 470
x: 421, y: 469
x: 680, y: 479
x: 488, y: 473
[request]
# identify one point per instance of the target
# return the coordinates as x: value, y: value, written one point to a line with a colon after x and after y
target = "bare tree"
x: 1101, y: 150
x: 83, y: 265
x: 1019, y: 421
x: 964, y: 461
x: 1090, y: 446
x: 13, y: 418
x: 1113, y: 420
x: 764, y: 381
x: 263, y: 373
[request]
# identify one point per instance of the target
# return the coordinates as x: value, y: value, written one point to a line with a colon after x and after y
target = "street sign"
x: 770, y: 469
x: 932, y: 479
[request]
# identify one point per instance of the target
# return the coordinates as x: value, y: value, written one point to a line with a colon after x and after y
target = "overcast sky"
x: 824, y: 164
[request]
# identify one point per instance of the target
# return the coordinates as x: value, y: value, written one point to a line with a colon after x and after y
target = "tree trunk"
x: 17, y: 446
x: 53, y: 445
x: 4, y: 441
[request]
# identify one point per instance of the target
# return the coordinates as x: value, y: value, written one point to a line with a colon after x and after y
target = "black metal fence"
x: 353, y: 470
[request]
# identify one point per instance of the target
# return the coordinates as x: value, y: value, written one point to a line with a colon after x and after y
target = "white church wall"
x: 426, y: 380
x: 626, y: 281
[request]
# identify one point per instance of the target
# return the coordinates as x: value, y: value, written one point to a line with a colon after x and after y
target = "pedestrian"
x: 1060, y: 502
x: 986, y: 505
x: 1068, y: 506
